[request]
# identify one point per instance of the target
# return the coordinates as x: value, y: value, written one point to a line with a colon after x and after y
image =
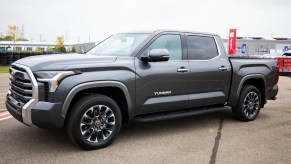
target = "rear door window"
x: 201, y: 47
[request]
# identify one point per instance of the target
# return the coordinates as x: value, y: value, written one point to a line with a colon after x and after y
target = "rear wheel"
x: 248, y: 105
x: 94, y: 122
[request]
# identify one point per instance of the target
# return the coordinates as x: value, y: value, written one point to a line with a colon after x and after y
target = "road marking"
x: 5, y: 116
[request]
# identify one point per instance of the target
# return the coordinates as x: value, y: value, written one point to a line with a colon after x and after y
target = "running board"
x: 177, y: 114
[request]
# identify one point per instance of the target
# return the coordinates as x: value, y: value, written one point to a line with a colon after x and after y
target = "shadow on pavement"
x: 19, y: 136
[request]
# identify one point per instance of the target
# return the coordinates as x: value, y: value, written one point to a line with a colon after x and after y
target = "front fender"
x: 96, y: 84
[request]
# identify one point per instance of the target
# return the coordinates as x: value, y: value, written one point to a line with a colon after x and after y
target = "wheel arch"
x: 257, y: 80
x: 99, y: 87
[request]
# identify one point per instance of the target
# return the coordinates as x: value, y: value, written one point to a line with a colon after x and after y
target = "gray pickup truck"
x: 141, y: 76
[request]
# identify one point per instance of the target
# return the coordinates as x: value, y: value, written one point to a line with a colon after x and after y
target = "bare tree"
x: 14, y: 32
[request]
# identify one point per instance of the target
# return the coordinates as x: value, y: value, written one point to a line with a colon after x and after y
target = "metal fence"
x: 6, y: 58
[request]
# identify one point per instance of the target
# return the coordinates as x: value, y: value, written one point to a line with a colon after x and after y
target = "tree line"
x: 14, y: 34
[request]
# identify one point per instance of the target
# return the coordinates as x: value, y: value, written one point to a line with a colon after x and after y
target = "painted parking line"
x: 5, y: 116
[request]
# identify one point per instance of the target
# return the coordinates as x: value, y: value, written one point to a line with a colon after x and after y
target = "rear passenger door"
x: 210, y: 73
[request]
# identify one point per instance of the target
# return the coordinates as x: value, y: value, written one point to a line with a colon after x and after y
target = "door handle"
x: 223, y: 68
x: 183, y: 69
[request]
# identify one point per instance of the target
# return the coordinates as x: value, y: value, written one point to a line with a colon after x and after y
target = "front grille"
x: 20, y: 85
x: 46, y: 91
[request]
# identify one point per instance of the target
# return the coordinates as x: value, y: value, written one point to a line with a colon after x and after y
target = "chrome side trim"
x: 26, y: 109
x: 96, y: 84
x: 165, y: 99
x: 206, y: 95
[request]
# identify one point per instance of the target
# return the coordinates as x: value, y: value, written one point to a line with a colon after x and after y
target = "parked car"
x: 287, y: 53
x: 285, y: 63
x: 142, y: 76
x: 272, y: 55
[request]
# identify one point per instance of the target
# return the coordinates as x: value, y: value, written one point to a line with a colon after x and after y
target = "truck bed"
x: 242, y: 66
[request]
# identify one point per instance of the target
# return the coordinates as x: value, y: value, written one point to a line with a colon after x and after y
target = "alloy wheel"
x: 251, y: 104
x: 97, y: 123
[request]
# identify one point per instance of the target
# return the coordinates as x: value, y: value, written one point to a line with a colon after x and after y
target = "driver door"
x: 162, y: 86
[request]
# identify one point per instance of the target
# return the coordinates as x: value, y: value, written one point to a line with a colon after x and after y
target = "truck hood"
x: 60, y: 61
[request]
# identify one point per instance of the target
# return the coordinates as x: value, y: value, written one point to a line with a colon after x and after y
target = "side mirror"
x: 156, y: 55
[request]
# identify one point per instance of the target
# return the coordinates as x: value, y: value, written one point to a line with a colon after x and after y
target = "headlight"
x: 53, y: 78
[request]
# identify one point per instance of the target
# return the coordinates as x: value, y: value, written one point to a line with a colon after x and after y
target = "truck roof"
x: 171, y: 30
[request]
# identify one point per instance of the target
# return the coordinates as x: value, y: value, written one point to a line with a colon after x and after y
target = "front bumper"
x: 28, y: 108
x: 42, y: 114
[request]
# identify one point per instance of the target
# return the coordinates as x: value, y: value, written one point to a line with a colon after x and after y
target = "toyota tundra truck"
x: 139, y: 76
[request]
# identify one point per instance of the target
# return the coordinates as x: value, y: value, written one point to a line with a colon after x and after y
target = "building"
x: 260, y: 45
x: 83, y: 47
x: 43, y: 46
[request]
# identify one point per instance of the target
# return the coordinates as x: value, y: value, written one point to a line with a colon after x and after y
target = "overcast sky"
x: 99, y: 19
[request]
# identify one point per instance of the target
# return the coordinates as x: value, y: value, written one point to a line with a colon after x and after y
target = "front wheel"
x: 94, y: 122
x: 248, y: 105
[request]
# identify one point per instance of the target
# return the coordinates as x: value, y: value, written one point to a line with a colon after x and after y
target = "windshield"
x: 118, y: 45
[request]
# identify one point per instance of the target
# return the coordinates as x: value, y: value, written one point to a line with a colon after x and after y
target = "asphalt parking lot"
x: 3, y: 89
x: 207, y: 138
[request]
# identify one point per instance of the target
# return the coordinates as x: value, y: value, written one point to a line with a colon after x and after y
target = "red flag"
x: 232, y: 41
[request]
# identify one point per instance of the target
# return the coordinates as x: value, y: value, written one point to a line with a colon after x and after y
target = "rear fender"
x: 234, y: 95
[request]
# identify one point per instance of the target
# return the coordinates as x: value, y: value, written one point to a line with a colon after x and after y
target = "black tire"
x: 88, y: 109
x: 248, y: 105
